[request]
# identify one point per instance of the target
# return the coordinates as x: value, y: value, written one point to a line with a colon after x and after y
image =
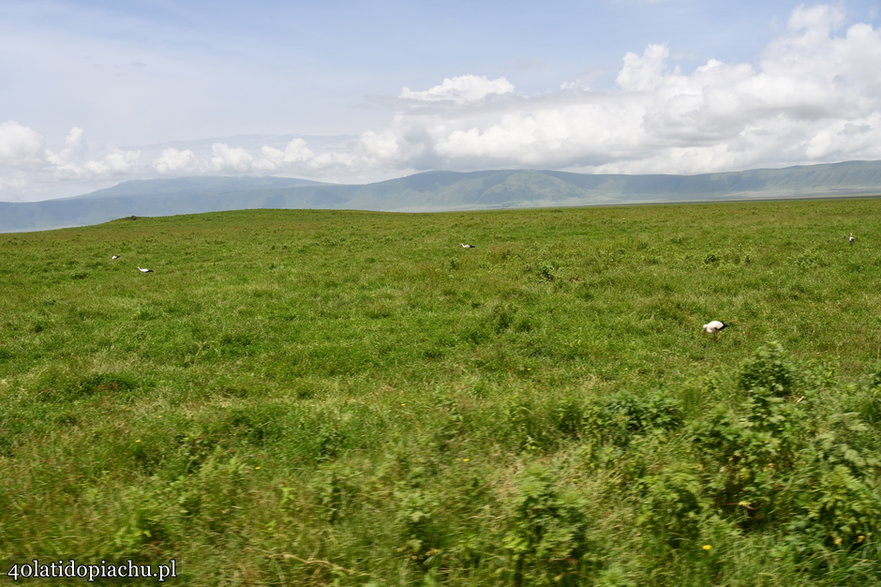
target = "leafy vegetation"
x: 312, y: 398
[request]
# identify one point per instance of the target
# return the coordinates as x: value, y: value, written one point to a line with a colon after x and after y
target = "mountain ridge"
x: 432, y: 191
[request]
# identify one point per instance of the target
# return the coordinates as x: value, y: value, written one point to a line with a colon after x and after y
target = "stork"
x: 714, y: 326
x: 145, y: 270
x: 464, y: 246
x: 852, y: 238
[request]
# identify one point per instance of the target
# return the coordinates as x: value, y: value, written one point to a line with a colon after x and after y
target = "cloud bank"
x: 814, y: 96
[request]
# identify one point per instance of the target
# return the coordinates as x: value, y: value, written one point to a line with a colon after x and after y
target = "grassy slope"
x: 300, y: 397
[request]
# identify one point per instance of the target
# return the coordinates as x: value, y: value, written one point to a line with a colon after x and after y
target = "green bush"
x: 618, y: 418
x: 547, y: 537
x: 673, y: 504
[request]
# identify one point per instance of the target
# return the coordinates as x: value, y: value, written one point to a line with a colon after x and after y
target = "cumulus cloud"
x: 64, y: 160
x: 19, y: 145
x: 645, y: 72
x: 74, y: 138
x: 28, y: 170
x: 274, y: 159
x: 116, y: 162
x: 174, y: 161
x: 819, y: 21
x: 226, y: 159
x: 76, y: 161
x: 813, y: 96
x: 460, y: 90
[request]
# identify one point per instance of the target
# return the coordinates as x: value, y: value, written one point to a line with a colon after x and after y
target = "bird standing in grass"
x: 145, y: 270
x: 714, y: 326
x: 852, y: 239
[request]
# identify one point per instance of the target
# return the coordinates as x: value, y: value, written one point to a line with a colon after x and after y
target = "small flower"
x: 860, y: 539
x: 838, y: 541
x: 466, y: 459
x: 138, y: 440
x: 257, y: 468
x: 707, y: 546
x: 403, y: 404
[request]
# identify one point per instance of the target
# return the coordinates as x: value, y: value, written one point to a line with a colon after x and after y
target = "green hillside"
x: 307, y: 397
x: 437, y: 191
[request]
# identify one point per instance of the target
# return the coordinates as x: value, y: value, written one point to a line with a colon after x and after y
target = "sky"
x: 97, y: 92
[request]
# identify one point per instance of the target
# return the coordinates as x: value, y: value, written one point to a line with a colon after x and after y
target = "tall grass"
x: 310, y: 398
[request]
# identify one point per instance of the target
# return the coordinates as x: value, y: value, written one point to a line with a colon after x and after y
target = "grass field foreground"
x: 352, y: 398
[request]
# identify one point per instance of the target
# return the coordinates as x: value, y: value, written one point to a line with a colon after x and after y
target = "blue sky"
x: 98, y: 92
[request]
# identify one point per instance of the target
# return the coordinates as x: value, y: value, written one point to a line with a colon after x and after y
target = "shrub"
x: 841, y: 506
x: 618, y: 418
x: 547, y: 538
x: 741, y: 460
x: 159, y: 511
x: 673, y: 504
x: 416, y: 518
x: 839, y: 493
x: 525, y: 425
x: 751, y: 450
x: 767, y: 370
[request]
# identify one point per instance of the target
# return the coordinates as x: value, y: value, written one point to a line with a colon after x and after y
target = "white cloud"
x: 19, y: 145
x: 176, y: 161
x: 859, y: 138
x: 63, y: 161
x: 116, y: 162
x: 814, y: 96
x: 74, y: 160
x: 227, y: 159
x: 276, y: 160
x: 460, y: 90
x: 29, y: 171
x: 646, y: 72
x: 817, y: 21
x: 74, y: 138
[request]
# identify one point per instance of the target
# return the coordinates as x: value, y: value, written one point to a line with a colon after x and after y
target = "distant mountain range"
x: 438, y: 191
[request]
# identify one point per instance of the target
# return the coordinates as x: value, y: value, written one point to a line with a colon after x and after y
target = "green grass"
x: 311, y: 398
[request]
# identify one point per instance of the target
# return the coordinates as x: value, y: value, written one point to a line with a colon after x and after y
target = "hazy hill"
x: 435, y: 191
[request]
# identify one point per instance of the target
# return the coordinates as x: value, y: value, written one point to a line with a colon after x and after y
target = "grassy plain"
x: 310, y: 398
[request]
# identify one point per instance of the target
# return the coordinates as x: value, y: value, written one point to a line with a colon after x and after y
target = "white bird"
x: 714, y: 326
x: 852, y: 238
x: 115, y: 257
x: 145, y: 270
x: 464, y: 246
